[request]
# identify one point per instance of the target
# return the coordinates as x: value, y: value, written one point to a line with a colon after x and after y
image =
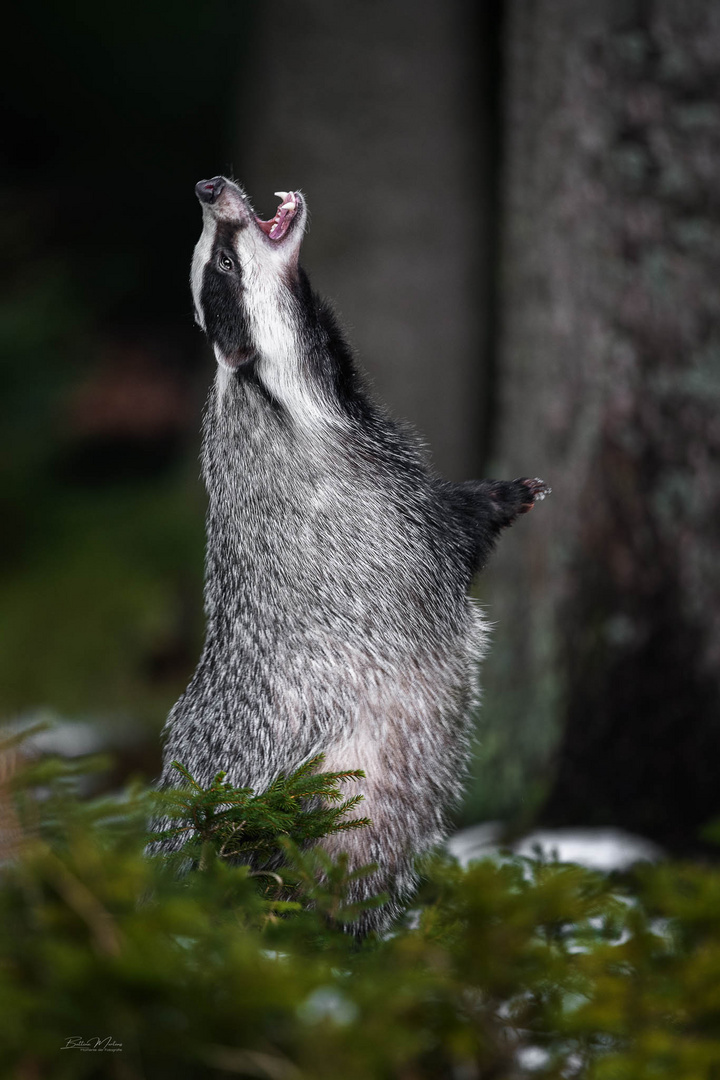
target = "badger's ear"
x: 236, y: 358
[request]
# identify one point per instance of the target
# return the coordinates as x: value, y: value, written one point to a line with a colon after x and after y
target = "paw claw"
x: 537, y: 490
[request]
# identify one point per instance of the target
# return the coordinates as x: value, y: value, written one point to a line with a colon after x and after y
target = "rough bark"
x: 609, y: 606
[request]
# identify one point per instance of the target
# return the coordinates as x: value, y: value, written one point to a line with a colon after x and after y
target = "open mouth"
x: 278, y: 226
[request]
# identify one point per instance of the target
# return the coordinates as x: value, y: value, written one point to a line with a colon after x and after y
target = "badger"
x: 338, y: 564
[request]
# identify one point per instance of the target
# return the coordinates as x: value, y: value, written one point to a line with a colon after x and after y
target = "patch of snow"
x: 73, y: 738
x: 598, y: 849
x: 532, y: 1058
x: 327, y: 1003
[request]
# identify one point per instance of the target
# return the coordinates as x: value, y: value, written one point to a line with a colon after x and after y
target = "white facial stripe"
x: 273, y: 323
x: 201, y: 257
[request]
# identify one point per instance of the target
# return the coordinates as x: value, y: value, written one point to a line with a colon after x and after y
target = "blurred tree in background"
x: 386, y: 116
x: 112, y: 113
x: 609, y: 369
x: 515, y: 209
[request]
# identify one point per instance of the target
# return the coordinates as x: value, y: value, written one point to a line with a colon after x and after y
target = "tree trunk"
x: 608, y: 597
x: 375, y: 110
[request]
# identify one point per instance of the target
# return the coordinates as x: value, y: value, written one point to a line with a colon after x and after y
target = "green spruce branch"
x: 302, y: 807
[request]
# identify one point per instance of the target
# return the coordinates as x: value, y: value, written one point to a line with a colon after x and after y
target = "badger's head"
x: 243, y: 278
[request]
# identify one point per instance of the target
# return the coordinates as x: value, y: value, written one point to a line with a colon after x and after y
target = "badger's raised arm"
x: 483, y: 508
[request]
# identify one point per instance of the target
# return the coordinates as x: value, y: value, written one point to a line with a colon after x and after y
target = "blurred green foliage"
x: 510, y: 968
x: 80, y: 619
x: 100, y: 582
x: 94, y: 577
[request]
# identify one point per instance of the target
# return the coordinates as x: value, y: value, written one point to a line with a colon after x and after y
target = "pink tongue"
x: 280, y: 225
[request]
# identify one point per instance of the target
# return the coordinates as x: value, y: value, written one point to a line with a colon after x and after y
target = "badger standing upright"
x: 338, y: 565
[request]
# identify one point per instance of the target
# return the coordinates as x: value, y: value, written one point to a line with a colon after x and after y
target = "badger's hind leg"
x: 405, y: 790
x: 386, y: 844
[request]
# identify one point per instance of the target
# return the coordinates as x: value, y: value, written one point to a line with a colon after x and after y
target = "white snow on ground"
x: 73, y: 738
x: 598, y: 849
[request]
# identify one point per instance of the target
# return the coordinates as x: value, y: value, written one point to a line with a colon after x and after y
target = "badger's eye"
x: 225, y: 263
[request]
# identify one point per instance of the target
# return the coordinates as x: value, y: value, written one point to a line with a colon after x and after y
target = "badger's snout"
x: 209, y: 191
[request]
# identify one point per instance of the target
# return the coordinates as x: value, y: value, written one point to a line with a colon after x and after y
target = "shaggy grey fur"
x: 338, y: 565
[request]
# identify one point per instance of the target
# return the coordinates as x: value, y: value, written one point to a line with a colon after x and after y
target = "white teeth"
x: 289, y: 202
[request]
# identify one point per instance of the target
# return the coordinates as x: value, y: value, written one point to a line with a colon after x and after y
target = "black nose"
x: 209, y: 191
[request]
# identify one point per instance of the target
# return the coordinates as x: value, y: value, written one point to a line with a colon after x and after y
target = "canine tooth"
x: 282, y: 195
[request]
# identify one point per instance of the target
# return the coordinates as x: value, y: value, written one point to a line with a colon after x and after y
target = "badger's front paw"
x: 510, y: 498
x: 535, y: 490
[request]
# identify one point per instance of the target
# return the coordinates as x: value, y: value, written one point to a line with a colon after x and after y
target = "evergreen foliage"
x: 303, y: 807
x: 511, y: 968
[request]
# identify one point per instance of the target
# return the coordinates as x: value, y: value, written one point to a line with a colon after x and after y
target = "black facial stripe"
x: 221, y: 300
x: 226, y: 233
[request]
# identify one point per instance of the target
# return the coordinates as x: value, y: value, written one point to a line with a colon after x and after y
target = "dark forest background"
x: 516, y: 209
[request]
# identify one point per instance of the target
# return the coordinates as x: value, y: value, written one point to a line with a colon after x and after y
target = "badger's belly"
x: 359, y: 700
x: 263, y: 703
x: 411, y: 740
